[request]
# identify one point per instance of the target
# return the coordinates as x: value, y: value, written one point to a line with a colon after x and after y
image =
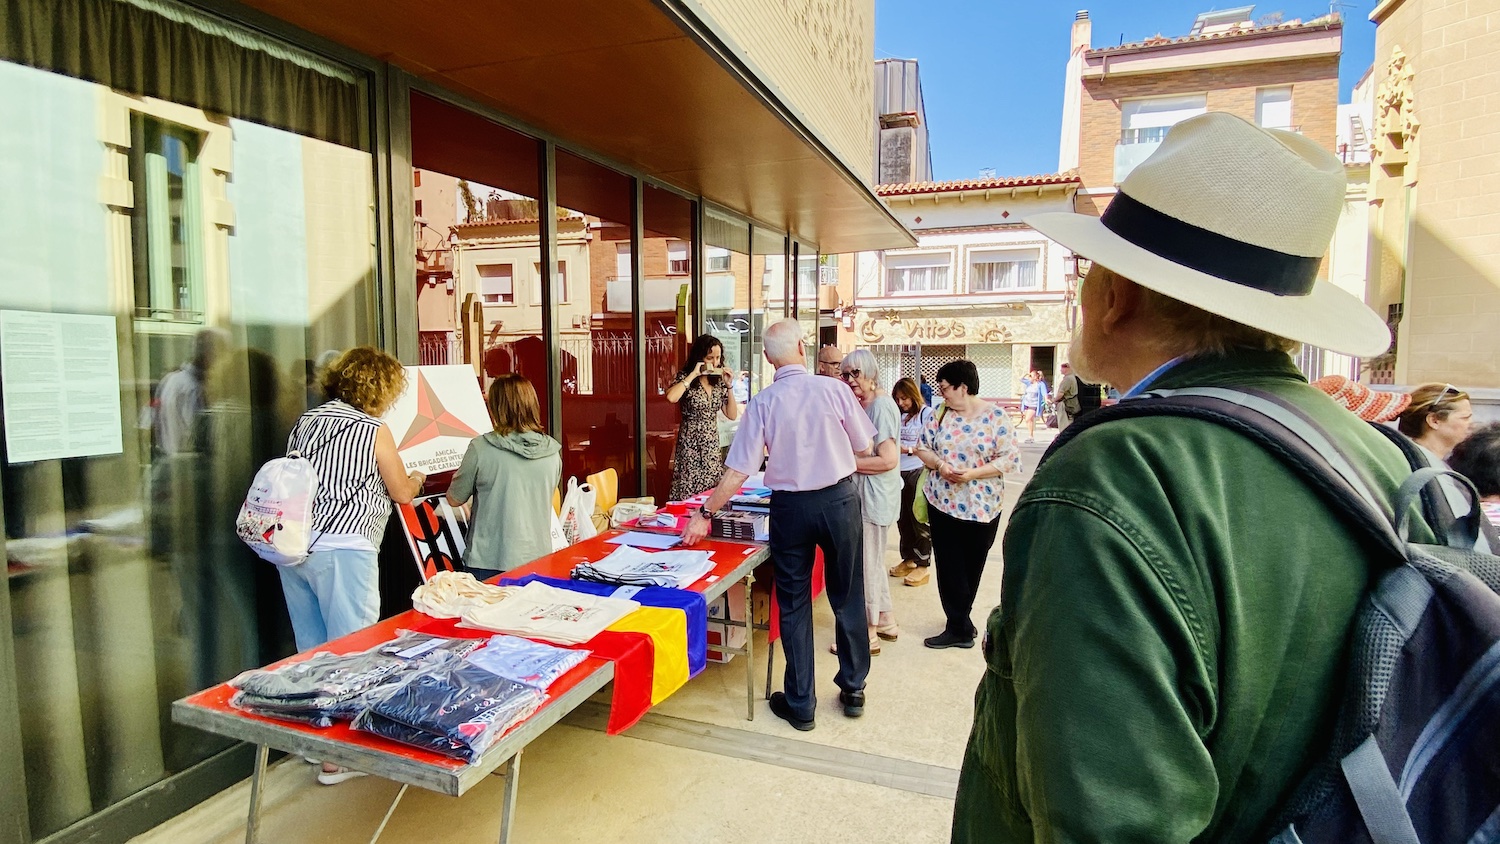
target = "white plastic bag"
x: 276, y: 518
x: 559, y: 539
x: 577, y: 515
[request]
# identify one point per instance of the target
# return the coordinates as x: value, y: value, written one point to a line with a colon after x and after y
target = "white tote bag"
x: 577, y: 515
x: 559, y: 539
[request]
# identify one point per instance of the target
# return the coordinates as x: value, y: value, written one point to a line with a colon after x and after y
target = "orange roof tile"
x: 959, y: 185
x: 1324, y: 22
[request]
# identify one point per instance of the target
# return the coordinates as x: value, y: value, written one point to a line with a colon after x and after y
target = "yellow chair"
x: 606, y: 485
x: 557, y: 501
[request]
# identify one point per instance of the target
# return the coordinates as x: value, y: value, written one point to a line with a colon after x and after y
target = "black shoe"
x: 783, y: 710
x: 948, y: 640
x: 854, y: 703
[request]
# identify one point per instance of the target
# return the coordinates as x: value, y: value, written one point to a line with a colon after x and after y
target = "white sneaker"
x: 341, y: 775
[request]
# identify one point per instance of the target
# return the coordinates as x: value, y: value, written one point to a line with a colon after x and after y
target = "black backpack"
x: 1415, y: 758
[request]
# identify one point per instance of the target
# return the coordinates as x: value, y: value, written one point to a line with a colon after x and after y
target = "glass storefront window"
x: 479, y: 293
x: 774, y: 296
x: 596, y: 329
x: 191, y: 242
x: 666, y: 250
x: 807, y: 293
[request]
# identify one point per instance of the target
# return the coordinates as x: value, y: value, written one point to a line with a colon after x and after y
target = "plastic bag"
x: 462, y: 708
x: 577, y: 514
x: 525, y: 661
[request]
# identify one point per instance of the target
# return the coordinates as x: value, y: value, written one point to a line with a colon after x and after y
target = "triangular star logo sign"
x: 433, y: 420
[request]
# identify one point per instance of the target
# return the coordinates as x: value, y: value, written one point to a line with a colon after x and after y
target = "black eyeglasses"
x: 849, y: 374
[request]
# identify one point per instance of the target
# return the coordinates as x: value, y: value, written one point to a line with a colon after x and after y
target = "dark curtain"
x: 179, y: 54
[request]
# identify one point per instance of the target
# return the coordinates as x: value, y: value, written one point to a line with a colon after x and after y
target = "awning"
x: 629, y: 80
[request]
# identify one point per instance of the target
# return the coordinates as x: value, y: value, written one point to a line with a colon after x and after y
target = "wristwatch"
x: 707, y: 513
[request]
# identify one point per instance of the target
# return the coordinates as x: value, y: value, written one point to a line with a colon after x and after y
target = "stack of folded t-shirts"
x: 539, y: 611
x: 449, y: 594
x: 454, y: 708
x: 326, y: 687
x: 525, y: 661
x: 628, y: 566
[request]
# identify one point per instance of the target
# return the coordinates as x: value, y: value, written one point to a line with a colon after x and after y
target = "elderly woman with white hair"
x: 878, y: 476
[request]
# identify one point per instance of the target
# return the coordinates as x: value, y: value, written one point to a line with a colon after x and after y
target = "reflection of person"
x: 916, y: 540
x: 335, y: 591
x: 968, y: 446
x: 1437, y: 419
x: 1478, y: 459
x: 701, y: 390
x: 829, y: 358
x: 179, y: 394
x: 879, y: 480
x: 511, y: 473
x: 742, y: 387
x: 812, y: 428
x: 1177, y: 606
x: 1065, y: 397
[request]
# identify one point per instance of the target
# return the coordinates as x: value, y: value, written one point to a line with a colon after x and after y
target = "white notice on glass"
x: 60, y: 375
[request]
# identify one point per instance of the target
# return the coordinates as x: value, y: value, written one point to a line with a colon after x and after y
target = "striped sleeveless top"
x: 340, y: 443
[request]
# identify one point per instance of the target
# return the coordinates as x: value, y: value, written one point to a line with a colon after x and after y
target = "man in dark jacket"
x: 1169, y: 652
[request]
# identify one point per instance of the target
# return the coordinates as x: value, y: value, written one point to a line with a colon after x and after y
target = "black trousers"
x: 916, y: 538
x: 801, y: 523
x: 960, y: 548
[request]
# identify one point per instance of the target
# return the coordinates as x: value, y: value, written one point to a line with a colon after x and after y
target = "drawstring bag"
x: 276, y: 518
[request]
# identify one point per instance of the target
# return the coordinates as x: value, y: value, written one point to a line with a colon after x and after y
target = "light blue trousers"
x: 332, y: 594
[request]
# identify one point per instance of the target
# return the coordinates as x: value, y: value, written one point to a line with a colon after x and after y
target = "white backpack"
x: 277, y: 516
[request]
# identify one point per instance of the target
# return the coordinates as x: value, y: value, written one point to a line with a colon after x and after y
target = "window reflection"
x: 774, y: 295
x: 596, y: 332
x: 667, y: 290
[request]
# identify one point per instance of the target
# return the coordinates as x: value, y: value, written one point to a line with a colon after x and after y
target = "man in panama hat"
x: 1167, y: 659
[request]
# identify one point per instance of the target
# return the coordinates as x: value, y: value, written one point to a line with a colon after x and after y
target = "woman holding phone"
x: 702, y: 389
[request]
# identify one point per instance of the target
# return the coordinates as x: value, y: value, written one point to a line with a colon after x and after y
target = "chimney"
x: 1083, y: 32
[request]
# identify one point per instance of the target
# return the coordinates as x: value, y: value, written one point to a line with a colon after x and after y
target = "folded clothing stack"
x: 628, y: 566
x: 454, y: 708
x: 326, y: 687
x: 449, y: 594
x: 525, y: 661
x: 539, y: 611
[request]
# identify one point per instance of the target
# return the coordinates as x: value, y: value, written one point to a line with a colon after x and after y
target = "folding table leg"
x: 749, y: 648
x: 512, y: 783
x: 257, y: 783
x: 770, y: 663
x: 388, y: 812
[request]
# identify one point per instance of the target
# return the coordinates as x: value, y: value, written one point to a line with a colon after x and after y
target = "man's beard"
x: 1081, y: 356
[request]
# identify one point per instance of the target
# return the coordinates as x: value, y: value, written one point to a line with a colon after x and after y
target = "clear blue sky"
x: 992, y: 70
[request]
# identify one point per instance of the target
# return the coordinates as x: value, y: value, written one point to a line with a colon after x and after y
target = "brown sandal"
x: 903, y: 568
x: 918, y: 576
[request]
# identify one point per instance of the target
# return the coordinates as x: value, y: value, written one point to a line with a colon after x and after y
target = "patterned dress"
x: 697, y: 463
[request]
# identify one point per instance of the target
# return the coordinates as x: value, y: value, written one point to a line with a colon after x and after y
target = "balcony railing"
x: 1136, y: 145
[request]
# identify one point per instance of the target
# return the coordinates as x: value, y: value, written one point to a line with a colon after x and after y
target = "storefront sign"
x: 61, y: 379
x: 433, y: 421
x: 876, y: 331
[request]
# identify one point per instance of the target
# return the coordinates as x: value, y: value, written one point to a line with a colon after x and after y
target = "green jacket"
x: 1168, y: 654
x: 512, y: 479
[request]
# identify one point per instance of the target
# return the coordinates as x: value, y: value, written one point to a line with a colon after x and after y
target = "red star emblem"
x: 433, y: 420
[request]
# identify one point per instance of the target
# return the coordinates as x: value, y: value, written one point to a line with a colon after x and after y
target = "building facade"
x: 1435, y: 170
x: 979, y: 285
x: 1119, y: 103
x: 188, y: 236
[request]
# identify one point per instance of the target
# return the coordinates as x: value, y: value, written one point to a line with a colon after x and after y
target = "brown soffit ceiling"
x: 628, y: 81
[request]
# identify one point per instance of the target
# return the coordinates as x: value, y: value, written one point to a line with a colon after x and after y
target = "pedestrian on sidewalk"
x: 879, y: 480
x: 1172, y: 641
x: 1033, y: 396
x: 808, y: 431
x: 1065, y: 397
x: 968, y: 447
x: 916, y: 540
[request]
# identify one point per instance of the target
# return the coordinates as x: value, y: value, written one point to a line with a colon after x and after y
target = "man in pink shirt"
x: 809, y: 430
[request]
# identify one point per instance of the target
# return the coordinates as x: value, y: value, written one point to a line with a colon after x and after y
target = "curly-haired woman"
x: 701, y: 389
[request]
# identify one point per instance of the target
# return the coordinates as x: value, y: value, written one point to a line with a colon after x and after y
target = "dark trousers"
x: 916, y: 538
x: 960, y: 548
x: 801, y: 523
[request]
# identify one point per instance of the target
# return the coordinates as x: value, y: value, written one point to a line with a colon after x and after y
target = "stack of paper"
x: 539, y: 611
x: 629, y: 566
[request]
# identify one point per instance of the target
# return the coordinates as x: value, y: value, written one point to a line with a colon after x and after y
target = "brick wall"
x: 1315, y: 98
x: 818, y: 55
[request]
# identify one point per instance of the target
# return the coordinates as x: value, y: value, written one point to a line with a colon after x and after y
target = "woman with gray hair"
x: 879, y: 480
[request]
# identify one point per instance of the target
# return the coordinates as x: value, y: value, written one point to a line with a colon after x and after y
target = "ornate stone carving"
x: 1396, y: 122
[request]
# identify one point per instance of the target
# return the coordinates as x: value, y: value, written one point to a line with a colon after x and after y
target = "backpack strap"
x: 1281, y: 429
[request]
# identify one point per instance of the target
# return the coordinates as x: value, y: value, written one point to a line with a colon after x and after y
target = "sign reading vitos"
x: 878, y: 330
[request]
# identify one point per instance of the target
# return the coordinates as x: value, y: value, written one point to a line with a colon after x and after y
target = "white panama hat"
x: 1233, y: 219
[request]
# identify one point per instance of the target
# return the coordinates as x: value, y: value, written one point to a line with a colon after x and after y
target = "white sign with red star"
x: 434, y: 419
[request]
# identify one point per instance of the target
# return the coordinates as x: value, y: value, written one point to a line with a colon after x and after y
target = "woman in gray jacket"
x: 511, y: 474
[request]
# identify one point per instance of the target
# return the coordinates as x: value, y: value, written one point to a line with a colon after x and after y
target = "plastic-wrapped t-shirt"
x: 525, y: 661
x: 462, y: 704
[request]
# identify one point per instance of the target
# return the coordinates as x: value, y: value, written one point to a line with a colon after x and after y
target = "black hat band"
x: 1210, y: 252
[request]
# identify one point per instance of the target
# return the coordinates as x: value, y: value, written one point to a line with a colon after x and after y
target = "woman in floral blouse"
x: 967, y: 447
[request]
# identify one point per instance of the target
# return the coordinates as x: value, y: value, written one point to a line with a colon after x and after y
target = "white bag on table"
x: 577, y: 514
